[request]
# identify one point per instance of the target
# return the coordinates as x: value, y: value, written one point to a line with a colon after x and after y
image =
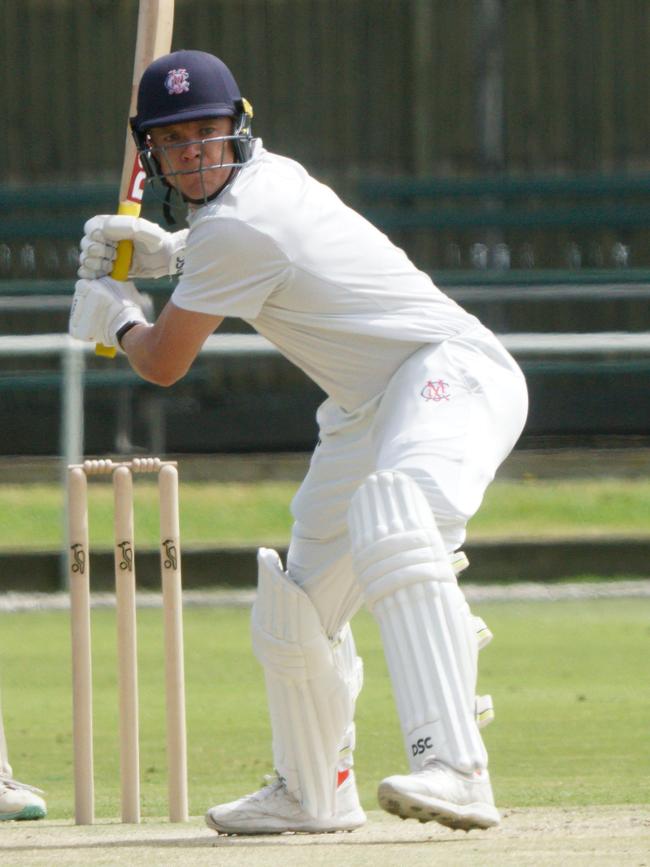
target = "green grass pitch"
x: 31, y: 516
x: 569, y: 681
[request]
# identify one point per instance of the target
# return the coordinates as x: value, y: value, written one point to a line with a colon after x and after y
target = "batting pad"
x: 312, y: 684
x: 429, y: 636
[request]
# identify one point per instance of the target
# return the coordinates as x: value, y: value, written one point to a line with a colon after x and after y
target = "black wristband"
x: 122, y: 331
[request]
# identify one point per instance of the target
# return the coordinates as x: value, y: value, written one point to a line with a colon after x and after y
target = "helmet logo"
x: 177, y: 81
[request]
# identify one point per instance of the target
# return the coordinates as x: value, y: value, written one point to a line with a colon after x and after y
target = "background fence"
x: 521, y: 126
x: 347, y: 86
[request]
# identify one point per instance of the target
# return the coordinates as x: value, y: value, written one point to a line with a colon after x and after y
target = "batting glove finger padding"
x: 101, y: 307
x: 156, y: 253
x: 96, y: 258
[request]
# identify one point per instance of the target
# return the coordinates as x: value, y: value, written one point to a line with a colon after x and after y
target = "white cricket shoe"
x: 441, y: 794
x: 272, y: 810
x: 19, y: 801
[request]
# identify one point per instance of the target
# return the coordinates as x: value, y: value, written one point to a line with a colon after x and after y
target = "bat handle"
x: 122, y: 261
x: 120, y: 267
x: 105, y: 351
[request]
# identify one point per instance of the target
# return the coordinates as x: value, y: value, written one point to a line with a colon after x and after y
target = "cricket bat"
x: 154, y: 38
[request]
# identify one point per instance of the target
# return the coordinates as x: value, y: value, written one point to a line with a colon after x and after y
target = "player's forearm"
x: 148, y: 357
x: 163, y: 352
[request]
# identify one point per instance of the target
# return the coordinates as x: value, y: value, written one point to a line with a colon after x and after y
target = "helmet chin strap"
x: 170, y: 219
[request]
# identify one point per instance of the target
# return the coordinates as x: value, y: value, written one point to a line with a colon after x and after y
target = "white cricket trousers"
x: 449, y: 416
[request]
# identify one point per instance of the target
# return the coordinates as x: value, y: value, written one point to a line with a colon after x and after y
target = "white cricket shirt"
x: 338, y: 299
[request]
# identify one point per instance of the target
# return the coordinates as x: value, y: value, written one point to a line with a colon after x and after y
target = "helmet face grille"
x: 159, y: 163
x: 163, y: 158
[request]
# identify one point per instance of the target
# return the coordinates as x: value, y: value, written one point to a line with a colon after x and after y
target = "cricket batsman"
x: 423, y: 404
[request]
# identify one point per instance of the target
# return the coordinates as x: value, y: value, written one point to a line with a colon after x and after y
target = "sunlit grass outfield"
x: 569, y: 682
x: 31, y: 516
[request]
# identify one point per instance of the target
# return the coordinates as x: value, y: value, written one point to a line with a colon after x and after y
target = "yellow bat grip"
x: 122, y: 261
x: 120, y: 267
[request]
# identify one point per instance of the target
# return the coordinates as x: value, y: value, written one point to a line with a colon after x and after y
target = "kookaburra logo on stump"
x: 126, y: 563
x: 78, y: 558
x: 170, y: 555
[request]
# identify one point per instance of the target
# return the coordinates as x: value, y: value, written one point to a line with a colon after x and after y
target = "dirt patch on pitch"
x: 570, y: 837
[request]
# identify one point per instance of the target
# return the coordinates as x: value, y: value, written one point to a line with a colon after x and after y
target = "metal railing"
x: 548, y: 348
x: 618, y: 349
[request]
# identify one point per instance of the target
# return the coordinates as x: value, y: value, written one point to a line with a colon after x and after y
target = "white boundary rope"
x: 13, y: 602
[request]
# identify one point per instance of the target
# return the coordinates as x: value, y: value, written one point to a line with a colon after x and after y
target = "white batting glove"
x: 101, y: 307
x: 156, y: 253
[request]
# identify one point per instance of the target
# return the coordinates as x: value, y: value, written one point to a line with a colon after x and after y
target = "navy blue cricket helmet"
x: 189, y: 85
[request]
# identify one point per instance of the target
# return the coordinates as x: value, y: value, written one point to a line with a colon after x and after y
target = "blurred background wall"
x: 347, y: 86
x: 363, y: 92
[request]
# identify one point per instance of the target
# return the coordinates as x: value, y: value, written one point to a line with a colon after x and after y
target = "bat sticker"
x: 136, y: 184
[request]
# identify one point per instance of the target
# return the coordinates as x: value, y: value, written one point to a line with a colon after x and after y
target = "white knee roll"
x: 428, y: 634
x: 395, y: 541
x: 312, y: 685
